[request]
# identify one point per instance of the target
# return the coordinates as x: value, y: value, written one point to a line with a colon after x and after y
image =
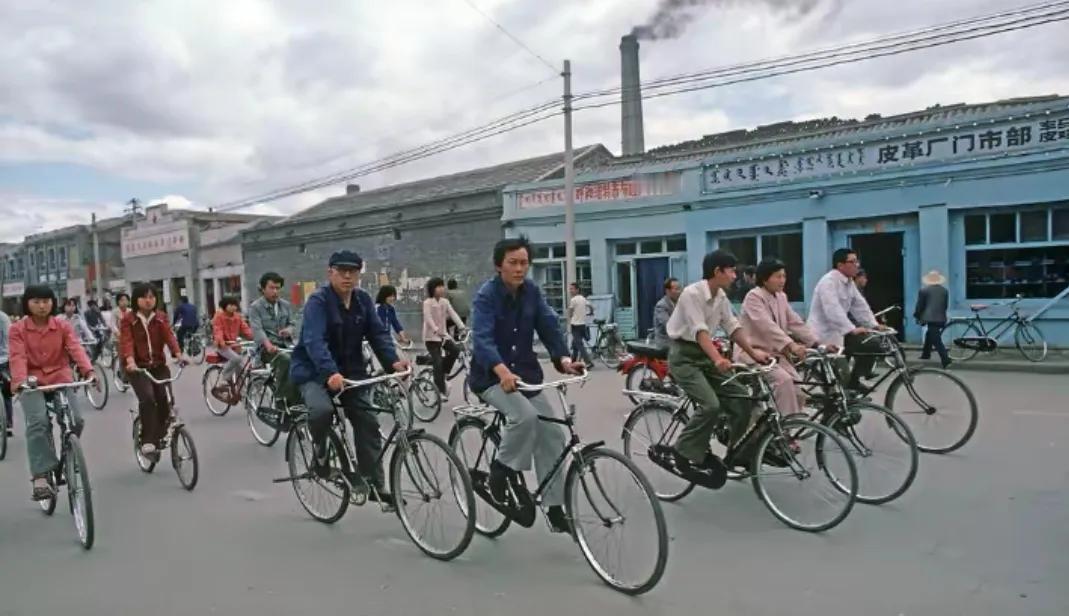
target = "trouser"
x: 933, y: 337
x: 366, y: 436
x: 579, y: 335
x: 153, y: 404
x: 864, y: 353
x: 8, y: 411
x: 234, y: 361
x: 442, y: 365
x: 6, y: 378
x: 524, y: 436
x: 39, y: 448
x: 696, y: 374
x: 785, y: 391
x: 184, y: 333
x: 280, y: 367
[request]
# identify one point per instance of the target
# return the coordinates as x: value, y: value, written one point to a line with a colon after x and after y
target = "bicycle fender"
x: 591, y: 446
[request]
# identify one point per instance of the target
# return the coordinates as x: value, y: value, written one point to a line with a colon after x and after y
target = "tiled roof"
x: 463, y: 183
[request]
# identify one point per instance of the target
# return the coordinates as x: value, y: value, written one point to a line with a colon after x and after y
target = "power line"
x: 511, y: 37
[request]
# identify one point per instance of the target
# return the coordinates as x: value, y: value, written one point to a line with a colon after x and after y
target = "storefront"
x: 979, y: 192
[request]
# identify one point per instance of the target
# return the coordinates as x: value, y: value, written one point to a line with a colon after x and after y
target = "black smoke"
x: 672, y: 16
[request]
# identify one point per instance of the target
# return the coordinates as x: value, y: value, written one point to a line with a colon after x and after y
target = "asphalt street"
x: 982, y: 531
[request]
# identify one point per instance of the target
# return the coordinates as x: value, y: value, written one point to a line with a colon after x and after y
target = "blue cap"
x: 346, y: 258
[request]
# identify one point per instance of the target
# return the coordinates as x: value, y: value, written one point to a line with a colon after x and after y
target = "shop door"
x: 881, y: 257
x: 650, y: 275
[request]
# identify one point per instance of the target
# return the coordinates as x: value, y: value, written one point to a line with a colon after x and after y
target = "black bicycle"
x: 938, y: 406
x: 605, y: 495
x: 965, y: 337
x: 881, y: 443
x: 176, y: 437
x: 426, y: 399
x: 608, y: 346
x: 71, y: 470
x: 421, y: 487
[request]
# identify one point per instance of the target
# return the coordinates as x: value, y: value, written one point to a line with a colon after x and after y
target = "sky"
x: 198, y: 103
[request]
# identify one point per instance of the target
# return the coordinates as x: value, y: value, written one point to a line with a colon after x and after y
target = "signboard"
x: 14, y: 289
x: 155, y: 239
x: 76, y: 287
x: 116, y: 285
x: 624, y: 189
x: 866, y: 157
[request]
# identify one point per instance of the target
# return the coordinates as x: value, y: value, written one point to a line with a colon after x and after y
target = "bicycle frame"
x: 1006, y: 323
x: 175, y: 421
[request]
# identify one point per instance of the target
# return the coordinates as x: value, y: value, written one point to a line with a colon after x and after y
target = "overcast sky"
x: 200, y: 102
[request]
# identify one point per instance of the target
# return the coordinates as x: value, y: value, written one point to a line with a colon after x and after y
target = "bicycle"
x: 176, y: 436
x: 945, y: 398
x: 587, y: 475
x: 874, y: 433
x: 213, y: 377
x: 413, y: 476
x: 608, y: 347
x: 195, y: 346
x: 71, y: 470
x: 5, y: 385
x: 965, y: 337
x: 652, y: 427
x: 427, y: 402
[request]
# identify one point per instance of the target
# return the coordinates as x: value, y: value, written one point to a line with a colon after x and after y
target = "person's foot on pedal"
x: 379, y: 495
x: 42, y: 490
x: 499, y: 480
x: 148, y: 449
x: 558, y: 520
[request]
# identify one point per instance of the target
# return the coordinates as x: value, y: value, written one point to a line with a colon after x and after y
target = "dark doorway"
x: 650, y: 274
x: 882, y: 259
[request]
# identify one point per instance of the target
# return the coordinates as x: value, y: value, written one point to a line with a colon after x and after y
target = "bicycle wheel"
x: 939, y: 408
x: 118, y: 377
x: 609, y: 351
x: 325, y: 496
x: 883, y: 449
x: 644, y: 429
x: 98, y: 398
x: 426, y: 399
x: 145, y: 463
x: 812, y: 490
x: 79, y: 491
x: 432, y: 491
x: 214, y: 377
x: 259, y: 395
x: 466, y: 439
x: 184, y: 458
x: 616, y: 520
x: 956, y: 329
x: 195, y: 349
x: 3, y: 434
x: 48, y: 506
x: 1030, y: 341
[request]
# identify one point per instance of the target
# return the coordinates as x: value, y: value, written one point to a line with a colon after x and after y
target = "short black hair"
x: 92, y: 303
x: 433, y: 284
x: 182, y: 299
x: 385, y: 291
x: 142, y: 289
x: 766, y: 268
x: 122, y: 295
x: 507, y: 245
x: 227, y: 301
x: 840, y: 256
x: 717, y: 260
x: 71, y: 301
x: 38, y: 291
x: 749, y: 270
x: 668, y: 282
x: 271, y: 277
x: 452, y: 284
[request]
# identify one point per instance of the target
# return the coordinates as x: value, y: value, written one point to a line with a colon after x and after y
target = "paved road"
x: 982, y: 531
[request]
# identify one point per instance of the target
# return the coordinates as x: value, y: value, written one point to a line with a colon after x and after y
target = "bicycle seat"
x: 978, y: 307
x: 424, y: 360
x: 599, y: 321
x: 214, y: 358
x: 644, y: 349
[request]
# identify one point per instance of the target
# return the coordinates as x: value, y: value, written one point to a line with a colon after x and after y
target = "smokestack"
x: 631, y: 120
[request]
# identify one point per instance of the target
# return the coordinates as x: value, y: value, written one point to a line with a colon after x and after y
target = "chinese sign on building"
x: 155, y: 240
x: 946, y: 146
x: 14, y: 289
x: 623, y: 189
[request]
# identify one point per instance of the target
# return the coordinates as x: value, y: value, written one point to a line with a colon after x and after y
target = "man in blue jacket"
x: 338, y: 317
x: 185, y: 321
x: 506, y: 313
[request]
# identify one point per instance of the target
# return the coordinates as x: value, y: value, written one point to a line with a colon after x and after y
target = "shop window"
x: 1004, y: 273
x: 647, y: 247
x: 541, y: 251
x: 786, y: 247
x: 976, y: 229
x: 62, y: 258
x: 744, y: 249
x: 623, y: 284
x: 625, y: 248
x: 676, y: 244
x: 1003, y: 228
x: 582, y: 249
x: 1034, y: 226
x: 51, y: 258
x: 1060, y: 224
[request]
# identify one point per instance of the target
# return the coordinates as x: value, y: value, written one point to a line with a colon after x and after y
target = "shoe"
x: 558, y: 521
x: 947, y: 363
x: 148, y: 449
x: 10, y: 433
x: 499, y: 480
x: 221, y: 393
x: 379, y: 495
x: 41, y: 493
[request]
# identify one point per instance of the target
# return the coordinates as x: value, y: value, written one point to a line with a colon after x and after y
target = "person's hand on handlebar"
x: 758, y: 356
x: 401, y: 365
x: 182, y: 360
x: 508, y: 380
x: 335, y: 382
x: 567, y: 366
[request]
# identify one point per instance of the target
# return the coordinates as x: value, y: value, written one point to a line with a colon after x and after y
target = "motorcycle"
x: 645, y: 368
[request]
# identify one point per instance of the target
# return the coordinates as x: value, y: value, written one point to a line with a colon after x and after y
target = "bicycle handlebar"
x: 163, y: 381
x: 350, y: 384
x: 822, y: 351
x: 57, y: 386
x: 887, y: 310
x: 522, y: 386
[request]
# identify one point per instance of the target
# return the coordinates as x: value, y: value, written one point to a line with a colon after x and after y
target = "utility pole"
x: 98, y: 275
x: 569, y: 181
x: 135, y: 208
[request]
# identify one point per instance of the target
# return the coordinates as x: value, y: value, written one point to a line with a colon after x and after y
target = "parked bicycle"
x: 421, y: 487
x: 608, y: 346
x: 71, y: 471
x: 175, y: 436
x: 965, y: 337
x: 426, y: 399
x: 819, y: 477
x: 606, y: 495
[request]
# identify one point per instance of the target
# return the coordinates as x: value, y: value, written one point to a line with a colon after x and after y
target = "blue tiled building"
x: 979, y: 192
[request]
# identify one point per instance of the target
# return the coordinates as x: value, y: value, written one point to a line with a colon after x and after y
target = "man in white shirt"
x: 837, y: 306
x: 578, y: 310
x: 702, y: 372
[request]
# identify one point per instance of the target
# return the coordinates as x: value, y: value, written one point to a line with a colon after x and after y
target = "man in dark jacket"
x: 931, y: 311
x: 185, y: 320
x: 338, y: 317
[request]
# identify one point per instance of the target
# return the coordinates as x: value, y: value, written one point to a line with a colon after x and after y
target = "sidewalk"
x: 1003, y: 360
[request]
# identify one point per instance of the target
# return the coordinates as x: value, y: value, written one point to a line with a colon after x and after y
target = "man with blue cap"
x: 338, y: 317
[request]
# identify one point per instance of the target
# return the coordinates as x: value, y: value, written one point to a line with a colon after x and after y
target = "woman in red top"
x: 144, y: 336
x: 227, y: 327
x: 43, y: 346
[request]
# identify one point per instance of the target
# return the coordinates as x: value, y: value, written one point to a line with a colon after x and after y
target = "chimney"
x: 631, y: 120
x: 352, y: 189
